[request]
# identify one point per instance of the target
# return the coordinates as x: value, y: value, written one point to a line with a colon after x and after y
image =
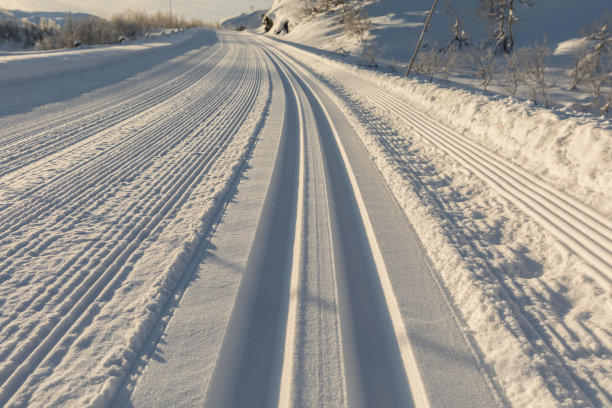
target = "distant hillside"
x: 35, y: 16
x: 396, y: 24
x: 384, y: 33
x: 250, y: 20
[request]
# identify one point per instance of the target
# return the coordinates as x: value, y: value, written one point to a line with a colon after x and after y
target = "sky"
x: 207, y: 10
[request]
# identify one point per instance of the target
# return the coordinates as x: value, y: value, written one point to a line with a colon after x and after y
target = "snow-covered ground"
x: 233, y: 220
x: 395, y: 27
x: 250, y: 20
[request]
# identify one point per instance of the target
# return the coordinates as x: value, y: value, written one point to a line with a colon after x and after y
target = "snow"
x: 157, y: 197
x: 397, y: 27
x: 517, y: 287
x: 250, y: 20
x: 27, y: 65
x: 120, y: 206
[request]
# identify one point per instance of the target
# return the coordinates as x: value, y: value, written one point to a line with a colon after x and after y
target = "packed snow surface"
x: 226, y: 219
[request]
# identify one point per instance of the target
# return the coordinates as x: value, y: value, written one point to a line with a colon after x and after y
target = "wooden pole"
x: 416, y: 50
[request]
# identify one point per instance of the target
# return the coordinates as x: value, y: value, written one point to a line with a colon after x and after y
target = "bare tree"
x: 459, y: 37
x: 428, y: 62
x: 534, y: 60
x: 578, y: 71
x: 503, y: 16
x: 483, y: 63
x: 593, y: 62
x: 514, y: 71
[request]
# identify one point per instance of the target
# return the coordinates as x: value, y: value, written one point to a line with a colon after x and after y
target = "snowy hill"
x: 250, y: 20
x: 397, y: 24
x: 535, y: 138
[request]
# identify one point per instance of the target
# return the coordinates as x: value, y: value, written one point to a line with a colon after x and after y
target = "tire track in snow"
x: 78, y: 304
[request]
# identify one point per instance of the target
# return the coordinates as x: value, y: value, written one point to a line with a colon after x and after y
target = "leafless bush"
x: 370, y: 54
x: 10, y: 31
x: 428, y: 62
x: 513, y: 71
x: 26, y: 33
x: 355, y: 21
x: 326, y: 5
x: 94, y: 30
x: 393, y: 65
x: 449, y: 62
x: 578, y: 72
x: 483, y: 64
x: 595, y: 62
x: 338, y: 46
x: 608, y: 102
x: 533, y: 60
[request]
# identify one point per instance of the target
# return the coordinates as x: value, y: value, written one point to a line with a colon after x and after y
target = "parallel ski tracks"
x: 576, y: 225
x: 248, y: 371
x: 67, y: 186
x: 99, y: 266
x: 580, y: 228
x: 73, y: 113
x: 45, y: 139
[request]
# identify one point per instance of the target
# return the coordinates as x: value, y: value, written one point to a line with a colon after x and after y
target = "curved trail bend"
x: 337, y: 304
x: 199, y: 224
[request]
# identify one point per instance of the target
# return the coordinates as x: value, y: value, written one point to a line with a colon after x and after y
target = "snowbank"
x: 571, y: 151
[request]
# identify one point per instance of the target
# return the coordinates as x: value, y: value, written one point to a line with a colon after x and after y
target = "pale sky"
x: 207, y: 10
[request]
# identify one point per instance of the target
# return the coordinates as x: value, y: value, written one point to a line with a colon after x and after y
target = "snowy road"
x: 203, y: 223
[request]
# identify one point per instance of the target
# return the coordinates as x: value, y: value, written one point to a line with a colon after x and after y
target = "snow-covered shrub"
x: 533, y: 62
x: 428, y: 61
x: 355, y: 21
x: 513, y: 71
x: 483, y: 63
x: 128, y: 24
x: 26, y: 33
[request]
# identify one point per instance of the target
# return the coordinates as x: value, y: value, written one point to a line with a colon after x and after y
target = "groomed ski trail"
x: 315, y: 316
x: 584, y: 231
x: 134, y: 167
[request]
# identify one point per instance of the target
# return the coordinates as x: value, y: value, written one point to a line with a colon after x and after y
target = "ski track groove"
x: 43, y: 145
x: 71, y: 296
x: 8, y: 218
x: 274, y: 379
x: 541, y: 336
x: 581, y: 229
x: 80, y: 295
x: 58, y: 114
x: 131, y: 170
x: 116, y: 173
x: 538, y: 336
